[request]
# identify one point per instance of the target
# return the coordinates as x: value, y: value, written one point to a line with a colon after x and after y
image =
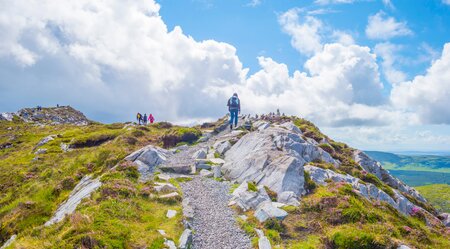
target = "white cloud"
x: 254, y: 3
x: 324, y: 2
x: 388, y: 4
x: 111, y: 58
x: 341, y: 88
x: 446, y: 2
x: 342, y: 37
x: 388, y: 52
x: 304, y: 33
x: 383, y: 27
x: 428, y: 94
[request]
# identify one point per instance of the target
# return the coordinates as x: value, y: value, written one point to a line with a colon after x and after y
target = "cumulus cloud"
x: 446, y: 2
x: 304, y: 31
x: 427, y: 94
x: 112, y: 58
x: 340, y: 88
x: 388, y: 4
x: 323, y: 2
x: 254, y: 3
x: 382, y: 27
x: 388, y: 52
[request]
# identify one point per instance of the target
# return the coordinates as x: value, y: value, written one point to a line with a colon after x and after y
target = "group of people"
x: 144, y: 119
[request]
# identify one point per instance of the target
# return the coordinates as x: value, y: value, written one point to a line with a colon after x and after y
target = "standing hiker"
x: 139, y: 118
x: 234, y: 106
x: 144, y: 120
x: 151, y: 118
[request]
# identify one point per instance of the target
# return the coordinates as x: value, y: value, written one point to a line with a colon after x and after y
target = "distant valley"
x: 430, y: 174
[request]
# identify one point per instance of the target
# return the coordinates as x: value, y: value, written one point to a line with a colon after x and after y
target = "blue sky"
x: 255, y: 31
x: 371, y: 73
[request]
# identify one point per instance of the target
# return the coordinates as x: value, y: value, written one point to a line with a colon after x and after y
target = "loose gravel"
x: 214, y: 222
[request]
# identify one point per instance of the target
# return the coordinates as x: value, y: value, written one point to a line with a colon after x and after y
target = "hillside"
x: 438, y: 195
x: 275, y: 181
x: 431, y: 163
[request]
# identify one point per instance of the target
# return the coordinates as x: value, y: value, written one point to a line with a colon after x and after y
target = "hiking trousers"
x: 234, y: 117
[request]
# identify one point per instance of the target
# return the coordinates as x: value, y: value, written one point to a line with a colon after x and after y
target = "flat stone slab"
x: 217, y: 160
x: 171, y: 213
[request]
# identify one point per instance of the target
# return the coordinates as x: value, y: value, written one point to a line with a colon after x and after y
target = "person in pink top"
x: 151, y: 118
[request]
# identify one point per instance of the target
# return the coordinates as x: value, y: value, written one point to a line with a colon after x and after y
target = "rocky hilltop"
x: 275, y: 181
x: 50, y: 115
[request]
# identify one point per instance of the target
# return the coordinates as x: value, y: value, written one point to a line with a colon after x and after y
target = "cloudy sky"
x: 372, y: 73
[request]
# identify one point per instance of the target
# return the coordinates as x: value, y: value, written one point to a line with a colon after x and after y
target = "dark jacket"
x: 237, y: 107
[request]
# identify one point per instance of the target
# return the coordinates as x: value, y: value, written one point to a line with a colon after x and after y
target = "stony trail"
x: 214, y: 222
x: 214, y: 225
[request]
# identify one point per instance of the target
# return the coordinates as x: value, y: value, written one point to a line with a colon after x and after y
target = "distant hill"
x: 393, y: 161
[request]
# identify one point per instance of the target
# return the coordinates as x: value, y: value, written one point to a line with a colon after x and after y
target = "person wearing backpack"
x: 234, y: 106
x: 139, y: 117
x: 151, y: 118
x: 144, y: 120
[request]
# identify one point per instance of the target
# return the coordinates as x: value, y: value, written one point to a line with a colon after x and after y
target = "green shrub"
x: 251, y: 186
x: 310, y: 185
x: 328, y: 148
x: 354, y: 239
x: 274, y: 224
x: 137, y: 133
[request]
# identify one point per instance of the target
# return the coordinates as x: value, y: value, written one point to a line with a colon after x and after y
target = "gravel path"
x: 214, y: 222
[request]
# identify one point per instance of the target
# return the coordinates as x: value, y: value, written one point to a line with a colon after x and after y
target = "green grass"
x: 119, y: 215
x: 438, y: 195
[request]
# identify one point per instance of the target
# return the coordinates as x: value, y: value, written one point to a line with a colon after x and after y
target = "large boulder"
x: 268, y: 210
x: 147, y: 159
x: 273, y: 157
x: 248, y: 199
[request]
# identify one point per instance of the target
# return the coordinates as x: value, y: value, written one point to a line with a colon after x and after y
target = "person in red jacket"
x: 151, y: 118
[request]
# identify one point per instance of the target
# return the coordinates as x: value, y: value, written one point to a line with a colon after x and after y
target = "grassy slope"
x: 438, y: 195
x: 119, y: 215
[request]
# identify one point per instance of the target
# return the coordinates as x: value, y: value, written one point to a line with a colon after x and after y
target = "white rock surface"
x: 273, y: 157
x: 264, y: 243
x: 374, y: 167
x: 170, y: 244
x: 267, y: 210
x: 164, y: 187
x: 45, y: 140
x: 247, y: 199
x: 369, y: 191
x: 222, y: 146
x: 83, y: 189
x: 7, y: 116
x: 9, y: 242
x: 185, y: 239
x: 200, y: 154
x: 171, y: 213
x: 170, y: 195
x: 40, y: 151
x: 206, y: 173
x: 147, y: 159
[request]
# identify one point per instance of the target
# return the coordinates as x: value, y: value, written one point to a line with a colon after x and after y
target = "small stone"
x: 219, y: 161
x: 231, y: 203
x: 200, y: 166
x: 170, y: 244
x: 165, y: 188
x: 206, y: 173
x: 162, y: 232
x: 403, y: 247
x: 40, y: 151
x: 164, y: 177
x: 171, y: 213
x: 264, y: 243
x: 200, y: 154
x: 243, y: 217
x: 171, y: 195
x: 217, y: 170
x: 267, y: 210
x: 185, y: 239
